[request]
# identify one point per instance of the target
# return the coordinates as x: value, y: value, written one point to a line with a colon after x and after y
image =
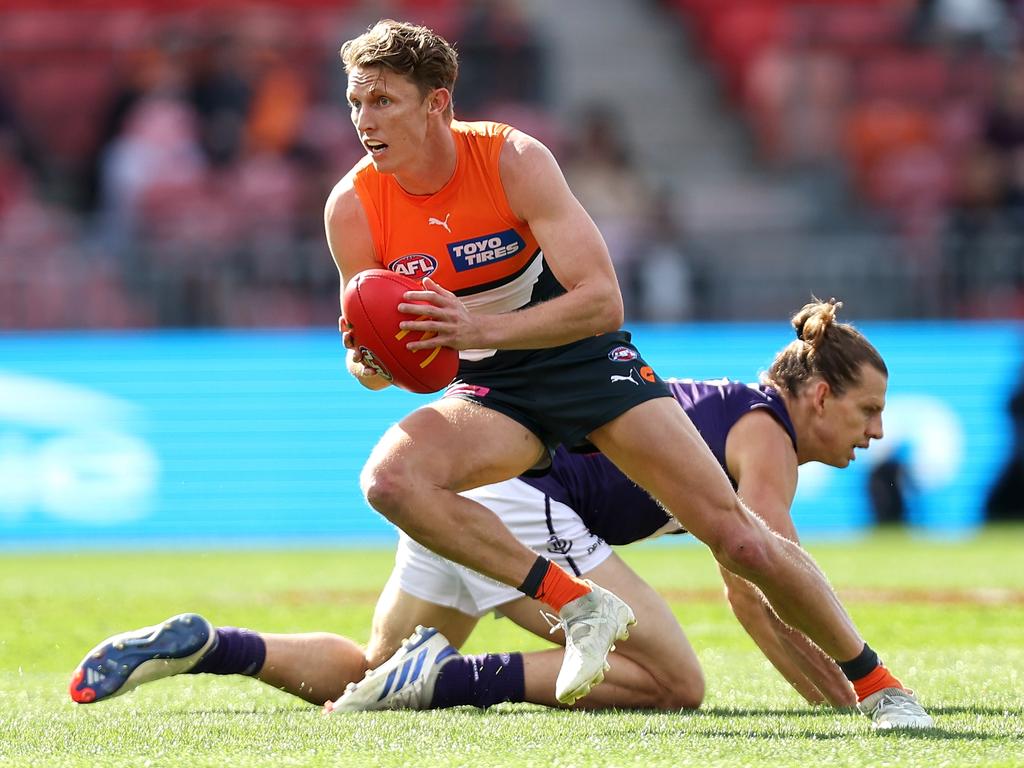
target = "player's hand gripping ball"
x: 370, y: 308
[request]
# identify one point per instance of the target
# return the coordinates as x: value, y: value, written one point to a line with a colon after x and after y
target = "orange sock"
x: 558, y: 587
x: 874, y: 681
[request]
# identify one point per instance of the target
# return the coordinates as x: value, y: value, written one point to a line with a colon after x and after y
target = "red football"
x: 370, y: 307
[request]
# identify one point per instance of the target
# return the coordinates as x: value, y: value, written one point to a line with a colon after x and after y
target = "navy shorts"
x: 562, y: 394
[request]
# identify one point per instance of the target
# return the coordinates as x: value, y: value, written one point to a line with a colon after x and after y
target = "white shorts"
x: 546, y: 526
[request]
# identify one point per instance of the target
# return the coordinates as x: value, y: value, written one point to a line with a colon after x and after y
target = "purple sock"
x: 480, y: 681
x: 235, y: 652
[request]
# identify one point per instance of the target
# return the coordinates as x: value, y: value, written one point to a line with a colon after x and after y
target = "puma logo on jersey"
x: 628, y: 378
x: 440, y: 223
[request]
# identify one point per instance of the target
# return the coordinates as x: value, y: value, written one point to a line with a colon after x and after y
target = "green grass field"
x: 947, y: 617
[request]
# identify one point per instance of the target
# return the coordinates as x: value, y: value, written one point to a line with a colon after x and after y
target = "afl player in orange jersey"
x: 521, y: 283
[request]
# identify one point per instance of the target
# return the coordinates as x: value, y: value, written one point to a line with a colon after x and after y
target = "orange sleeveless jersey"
x: 464, y: 236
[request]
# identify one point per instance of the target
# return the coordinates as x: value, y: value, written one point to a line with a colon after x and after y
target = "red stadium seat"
x: 703, y: 17
x: 794, y: 101
x: 853, y: 28
x: 741, y: 35
x: 920, y: 77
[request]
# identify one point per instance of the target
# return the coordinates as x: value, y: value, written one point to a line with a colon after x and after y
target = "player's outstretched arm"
x: 814, y: 676
x: 760, y: 456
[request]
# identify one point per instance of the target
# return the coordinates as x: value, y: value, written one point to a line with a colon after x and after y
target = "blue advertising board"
x: 203, y: 438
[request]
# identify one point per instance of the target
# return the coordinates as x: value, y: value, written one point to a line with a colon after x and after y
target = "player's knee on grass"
x: 680, y: 691
x: 667, y: 675
x: 677, y: 682
x: 664, y: 686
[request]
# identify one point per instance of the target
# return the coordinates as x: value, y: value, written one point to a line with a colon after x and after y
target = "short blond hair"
x: 412, y: 51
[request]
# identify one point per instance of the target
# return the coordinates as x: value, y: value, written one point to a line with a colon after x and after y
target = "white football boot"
x: 592, y: 624
x: 405, y: 681
x: 892, y: 708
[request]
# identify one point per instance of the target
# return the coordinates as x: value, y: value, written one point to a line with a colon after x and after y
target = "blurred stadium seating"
x: 907, y: 100
x: 165, y: 164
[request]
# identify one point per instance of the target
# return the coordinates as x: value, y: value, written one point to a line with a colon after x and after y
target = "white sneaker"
x: 592, y: 624
x: 126, y: 661
x: 895, y: 708
x: 405, y: 681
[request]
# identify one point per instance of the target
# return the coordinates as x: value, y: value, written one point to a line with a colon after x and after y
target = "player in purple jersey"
x: 821, y: 399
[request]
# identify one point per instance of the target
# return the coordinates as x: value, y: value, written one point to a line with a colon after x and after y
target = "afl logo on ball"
x: 370, y: 361
x: 414, y: 265
x: 622, y: 355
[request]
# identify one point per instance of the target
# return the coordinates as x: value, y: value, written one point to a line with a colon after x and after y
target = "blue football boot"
x: 123, y: 662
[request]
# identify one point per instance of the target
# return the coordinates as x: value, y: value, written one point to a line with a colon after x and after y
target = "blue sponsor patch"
x: 484, y: 250
x: 414, y: 265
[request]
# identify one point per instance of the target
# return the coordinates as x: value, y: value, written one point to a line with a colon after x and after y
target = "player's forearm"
x: 816, y: 677
x: 816, y: 667
x: 586, y: 310
x: 756, y: 622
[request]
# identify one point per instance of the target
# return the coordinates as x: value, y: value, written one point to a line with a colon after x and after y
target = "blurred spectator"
x: 278, y: 107
x: 15, y: 182
x: 964, y: 25
x: 602, y: 174
x: 218, y: 136
x: 1006, y: 498
x: 221, y: 94
x: 158, y: 150
x: 1004, y: 130
x: 183, y: 158
x: 666, y: 286
x: 984, y: 272
x: 502, y: 58
x: 151, y: 70
x: 18, y: 158
x: 975, y: 221
x: 795, y: 99
x: 891, y: 488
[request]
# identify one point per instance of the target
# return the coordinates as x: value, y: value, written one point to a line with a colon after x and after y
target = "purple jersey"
x: 615, y: 508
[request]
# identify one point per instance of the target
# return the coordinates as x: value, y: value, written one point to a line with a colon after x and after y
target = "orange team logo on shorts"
x: 647, y: 373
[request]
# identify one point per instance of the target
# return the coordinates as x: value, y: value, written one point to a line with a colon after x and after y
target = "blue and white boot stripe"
x: 419, y: 665
x: 387, y: 684
x: 448, y: 651
x: 406, y: 668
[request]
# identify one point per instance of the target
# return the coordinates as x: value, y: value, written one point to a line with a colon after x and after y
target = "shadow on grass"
x: 235, y: 711
x: 972, y: 710
x: 699, y: 723
x: 938, y: 734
